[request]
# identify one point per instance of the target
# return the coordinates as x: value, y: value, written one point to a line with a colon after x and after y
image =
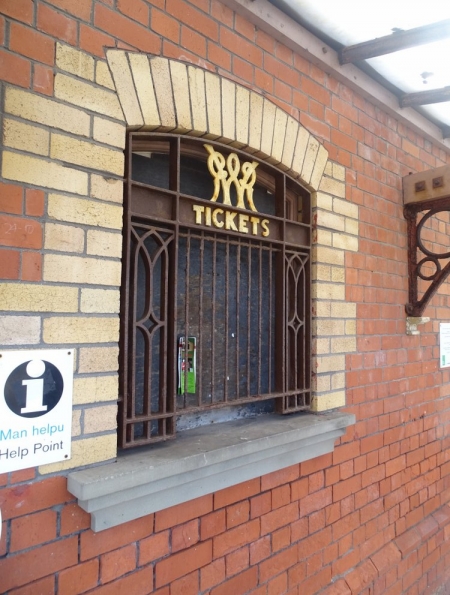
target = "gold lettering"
x: 229, y: 221
x: 215, y: 221
x: 255, y: 222
x: 265, y: 226
x: 208, y: 216
x: 243, y: 219
x: 198, y: 210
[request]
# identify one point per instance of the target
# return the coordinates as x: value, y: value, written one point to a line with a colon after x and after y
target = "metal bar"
x: 260, y: 290
x: 200, y: 345
x: 236, y: 338
x: 213, y: 319
x: 227, y: 316
x: 395, y: 42
x: 249, y: 326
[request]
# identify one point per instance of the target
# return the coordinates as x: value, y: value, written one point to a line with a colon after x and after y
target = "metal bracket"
x: 416, y: 306
x: 412, y: 322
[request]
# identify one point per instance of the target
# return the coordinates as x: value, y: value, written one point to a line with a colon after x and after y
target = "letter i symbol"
x: 35, y: 388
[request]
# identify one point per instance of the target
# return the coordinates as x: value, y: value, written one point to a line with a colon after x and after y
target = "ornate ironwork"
x: 420, y: 257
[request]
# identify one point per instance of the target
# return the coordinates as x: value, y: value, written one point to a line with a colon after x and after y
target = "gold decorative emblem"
x: 223, y: 178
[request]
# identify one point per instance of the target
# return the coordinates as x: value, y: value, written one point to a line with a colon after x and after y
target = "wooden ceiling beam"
x: 425, y: 97
x: 395, y: 42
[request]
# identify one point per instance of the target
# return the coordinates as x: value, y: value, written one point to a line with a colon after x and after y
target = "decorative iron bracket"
x: 416, y: 306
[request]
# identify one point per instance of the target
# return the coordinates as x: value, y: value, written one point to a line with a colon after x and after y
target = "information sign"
x: 35, y: 407
x: 444, y: 344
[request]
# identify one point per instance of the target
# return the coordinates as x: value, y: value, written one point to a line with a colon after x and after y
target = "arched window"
x: 216, y: 286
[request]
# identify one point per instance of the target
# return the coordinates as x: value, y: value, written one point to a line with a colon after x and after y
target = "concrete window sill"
x: 202, y: 461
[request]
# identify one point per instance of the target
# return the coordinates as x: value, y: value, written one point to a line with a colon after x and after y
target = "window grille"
x: 209, y: 286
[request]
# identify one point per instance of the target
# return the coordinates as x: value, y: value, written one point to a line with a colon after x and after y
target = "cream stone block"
x: 242, y: 114
x: 351, y: 226
x: 87, y: 212
x: 330, y: 220
x: 32, y: 297
x: 180, y: 84
x: 279, y: 134
x: 338, y: 381
x: 310, y: 159
x: 323, y: 201
x: 86, y: 154
x: 81, y: 329
x: 105, y: 188
x: 333, y: 187
x: 322, y: 383
x: 343, y: 345
x: 338, y: 172
x: 76, y: 423
x: 86, y: 451
x: 329, y: 401
x: 255, y: 124
x: 98, y: 359
x: 18, y: 135
x: 123, y: 80
x: 290, y: 140
x: 197, y: 94
x: 95, y: 389
x: 319, y: 167
x: 228, y: 109
x: 300, y: 150
x: 100, y: 419
x: 350, y: 327
x: 268, y: 124
x: 142, y: 76
x: 37, y: 108
x: 75, y: 269
x: 346, y: 242
x: 63, y: 238
x: 163, y: 91
x: 104, y: 243
x: 322, y: 346
x: 328, y: 291
x: 103, y: 75
x: 74, y: 61
x: 324, y: 237
x: 20, y: 330
x: 338, y: 275
x: 331, y: 363
x: 110, y: 133
x: 101, y: 301
x: 39, y: 172
x: 322, y: 309
x: 321, y: 272
x: 88, y: 96
x: 329, y: 169
x: 343, y: 207
x: 213, y: 105
x: 343, y: 310
x: 328, y: 255
x: 329, y: 328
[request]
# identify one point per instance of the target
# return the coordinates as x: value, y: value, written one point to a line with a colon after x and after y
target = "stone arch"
x: 168, y: 95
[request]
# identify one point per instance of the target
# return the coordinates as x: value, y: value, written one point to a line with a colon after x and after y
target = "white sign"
x: 444, y: 344
x: 35, y: 407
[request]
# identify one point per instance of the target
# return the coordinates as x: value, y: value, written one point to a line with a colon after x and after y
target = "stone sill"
x: 200, y: 462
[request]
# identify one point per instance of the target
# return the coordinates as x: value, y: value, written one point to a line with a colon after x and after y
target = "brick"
x: 86, y: 154
x: 238, y: 514
x: 98, y: 359
x: 74, y: 269
x: 236, y: 538
x: 85, y: 452
x: 237, y: 561
x: 31, y: 497
x: 236, y: 493
x: 84, y: 95
x: 315, y: 501
x: 238, y: 585
x: 280, y: 477
x: 212, y: 524
x: 154, y: 547
x: 20, y: 330
x: 136, y: 10
x: 43, y: 79
x: 212, y: 575
x: 31, y: 266
x: 11, y: 199
x: 39, y: 298
x: 21, y: 10
x: 31, y: 530
x: 46, y: 111
x: 279, y: 518
x: 176, y: 515
x: 74, y: 61
x: 117, y: 563
x: 137, y: 583
x: 278, y: 563
x: 9, y: 264
x: 182, y: 563
x: 95, y: 389
x: 80, y: 578
x: 186, y: 535
x: 187, y: 585
x: 14, y: 69
x: 29, y: 43
x: 361, y: 577
x: 56, y: 24
x: 38, y: 562
x: 73, y: 519
x: 24, y: 137
x: 43, y: 173
x: 34, y: 202
x: 45, y: 586
x: 63, y: 238
x: 94, y: 42
x: 100, y: 243
x: 21, y: 233
x: 81, y: 9
x: 261, y: 504
x: 85, y: 212
x: 106, y: 301
x: 123, y: 28
x: 100, y: 419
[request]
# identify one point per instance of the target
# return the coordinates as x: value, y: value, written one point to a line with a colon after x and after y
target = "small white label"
x: 444, y: 344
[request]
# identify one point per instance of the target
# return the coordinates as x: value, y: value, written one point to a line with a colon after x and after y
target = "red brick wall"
x: 371, y: 518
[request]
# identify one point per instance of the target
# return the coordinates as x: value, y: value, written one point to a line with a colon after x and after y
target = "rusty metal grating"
x: 244, y: 297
